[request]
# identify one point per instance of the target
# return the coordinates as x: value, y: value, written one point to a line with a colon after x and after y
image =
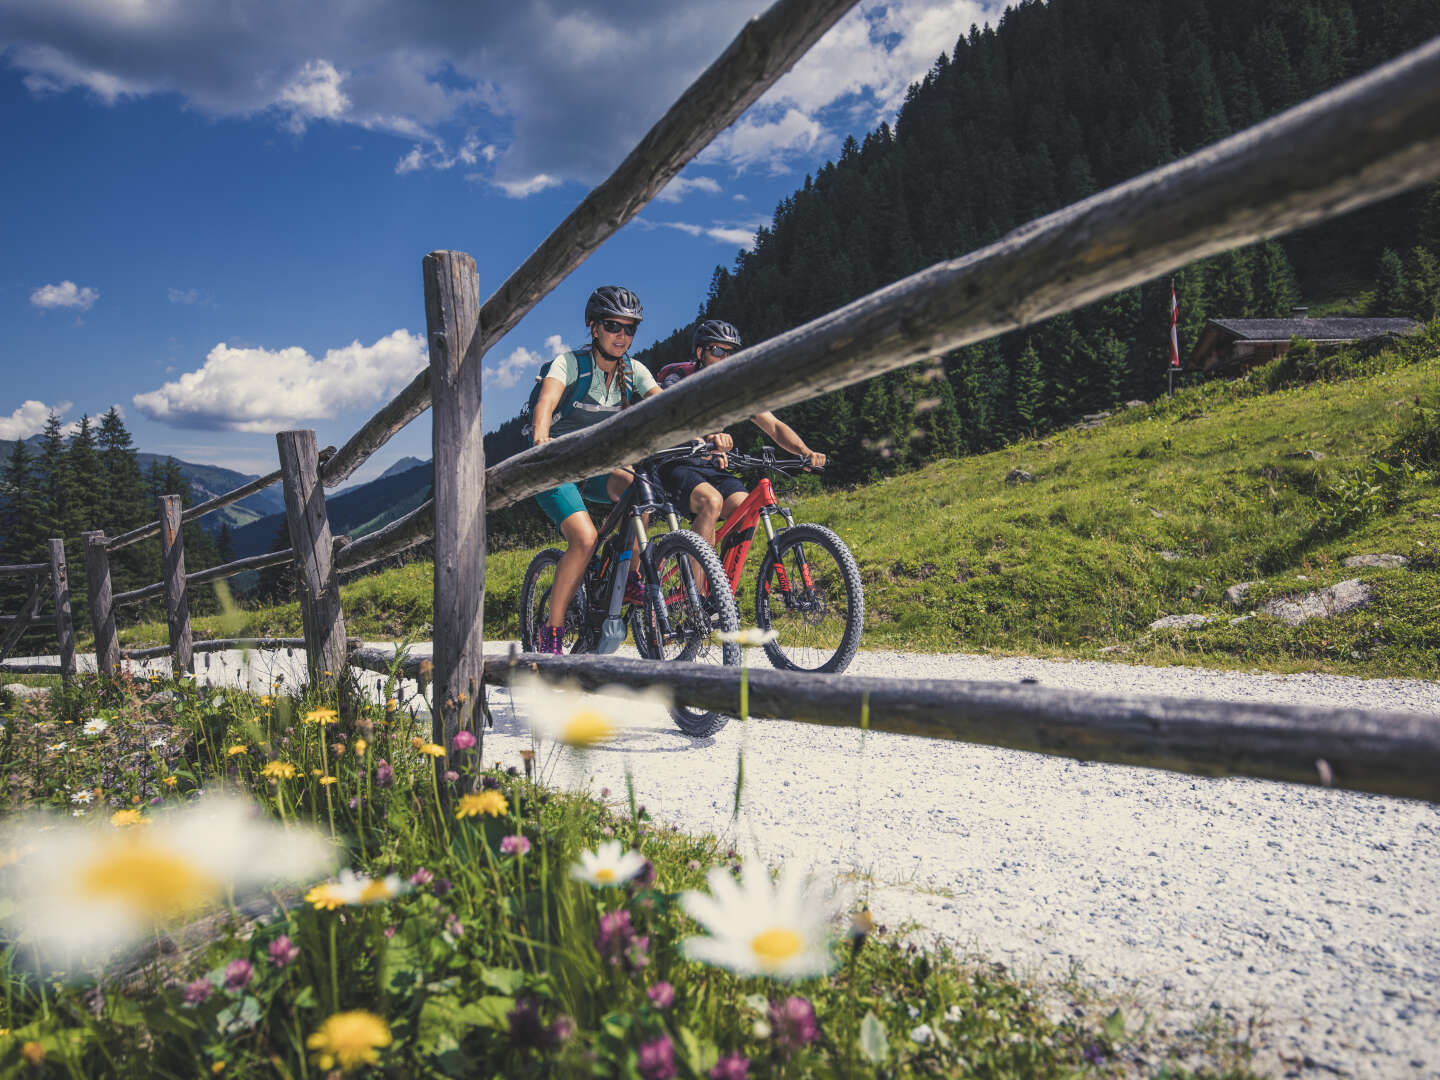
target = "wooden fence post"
x: 318, y: 582
x: 177, y: 604
x: 102, y: 607
x: 452, y: 312
x: 64, y: 628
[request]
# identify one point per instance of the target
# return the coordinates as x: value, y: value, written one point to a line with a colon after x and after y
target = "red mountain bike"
x: 808, y: 589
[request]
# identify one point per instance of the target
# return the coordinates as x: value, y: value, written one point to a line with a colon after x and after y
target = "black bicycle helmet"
x: 613, y: 302
x: 715, y: 332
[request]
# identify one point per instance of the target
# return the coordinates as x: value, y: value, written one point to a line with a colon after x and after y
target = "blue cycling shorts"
x: 560, y: 502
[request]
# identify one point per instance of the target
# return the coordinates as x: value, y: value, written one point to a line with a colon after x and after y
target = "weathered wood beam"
x: 64, y: 625
x: 102, y: 604
x: 316, y: 577
x: 764, y: 50
x: 19, y: 569
x: 400, y: 535
x: 28, y: 667
x: 452, y: 308
x: 1367, y: 139
x: 1385, y: 753
x: 177, y: 603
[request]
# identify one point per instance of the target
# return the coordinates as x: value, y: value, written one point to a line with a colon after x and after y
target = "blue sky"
x: 215, y: 212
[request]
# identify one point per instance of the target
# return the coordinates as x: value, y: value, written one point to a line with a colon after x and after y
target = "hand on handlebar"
x: 720, y: 441
x: 814, y: 461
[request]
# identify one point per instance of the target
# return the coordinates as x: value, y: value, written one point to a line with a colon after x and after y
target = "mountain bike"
x: 678, y: 621
x: 808, y: 590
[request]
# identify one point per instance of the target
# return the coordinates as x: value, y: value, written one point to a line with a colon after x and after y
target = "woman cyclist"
x: 612, y: 314
x: 708, y: 492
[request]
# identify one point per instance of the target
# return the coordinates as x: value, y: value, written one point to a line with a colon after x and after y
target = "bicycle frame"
x: 734, y: 538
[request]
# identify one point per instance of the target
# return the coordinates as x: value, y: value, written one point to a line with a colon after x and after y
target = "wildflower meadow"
x: 203, y: 882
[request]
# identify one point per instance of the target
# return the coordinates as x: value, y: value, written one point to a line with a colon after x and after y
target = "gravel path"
x: 1314, y: 911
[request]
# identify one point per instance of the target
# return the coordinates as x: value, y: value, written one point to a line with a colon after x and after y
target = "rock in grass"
x: 1180, y: 622
x: 1312, y: 455
x: 1018, y: 476
x: 1341, y: 597
x: 21, y: 690
x: 1382, y: 562
x: 1235, y: 594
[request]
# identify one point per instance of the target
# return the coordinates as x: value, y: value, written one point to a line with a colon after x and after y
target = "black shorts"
x: 680, y: 480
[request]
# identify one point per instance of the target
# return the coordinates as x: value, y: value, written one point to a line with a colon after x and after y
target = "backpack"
x: 670, y: 374
x: 512, y: 437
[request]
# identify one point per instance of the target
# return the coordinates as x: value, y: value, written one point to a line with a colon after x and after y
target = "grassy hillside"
x: 1156, y: 511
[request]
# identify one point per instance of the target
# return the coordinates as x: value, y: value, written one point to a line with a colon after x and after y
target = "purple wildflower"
x: 615, y: 935
x: 283, y: 952
x: 515, y: 845
x: 198, y: 992
x: 731, y: 1067
x: 646, y: 877
x: 661, y: 995
x: 489, y: 783
x: 793, y: 1022
x: 384, y: 774
x: 443, y: 886
x: 463, y: 740
x: 451, y: 776
x: 421, y: 877
x: 526, y: 1030
x: 237, y: 975
x: 390, y: 932
x: 1093, y: 1054
x: 454, y: 927
x: 657, y: 1059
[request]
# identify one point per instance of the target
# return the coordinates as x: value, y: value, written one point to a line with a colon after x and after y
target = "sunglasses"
x: 718, y: 351
x: 610, y: 326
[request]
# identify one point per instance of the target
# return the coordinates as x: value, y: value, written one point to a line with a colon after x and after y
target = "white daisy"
x: 158, y: 744
x: 56, y: 748
x: 609, y: 865
x: 922, y: 1034
x: 88, y: 891
x: 96, y: 726
x: 566, y: 713
x: 748, y: 638
x: 759, y: 928
x: 84, y: 796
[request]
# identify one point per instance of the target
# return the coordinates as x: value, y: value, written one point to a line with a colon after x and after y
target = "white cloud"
x: 184, y: 296
x: 678, y: 188
x: 523, y: 363
x: 745, y: 238
x: 754, y: 141
x: 65, y: 295
x: 29, y: 419
x: 437, y: 157
x: 523, y: 189
x: 264, y: 390
x: 313, y: 94
x: 560, y: 90
x: 732, y: 233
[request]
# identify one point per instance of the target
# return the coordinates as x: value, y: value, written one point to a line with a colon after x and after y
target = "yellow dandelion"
x: 170, y: 781
x: 391, y: 705
x: 431, y: 749
x: 122, y: 818
x: 360, y: 745
x: 416, y: 741
x: 317, y: 772
x: 327, y: 896
x: 321, y: 716
x: 279, y: 770
x: 490, y: 803
x: 238, y: 748
x: 218, y: 1068
x: 326, y: 781
x: 569, y: 715
x: 349, y: 1040
x: 266, y: 701
x: 33, y: 1052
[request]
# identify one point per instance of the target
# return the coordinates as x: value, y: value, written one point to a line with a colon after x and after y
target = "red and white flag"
x: 1174, y: 336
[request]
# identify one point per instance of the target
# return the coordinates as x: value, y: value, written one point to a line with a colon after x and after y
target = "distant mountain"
x: 206, y: 482
x: 405, y: 464
x: 358, y: 510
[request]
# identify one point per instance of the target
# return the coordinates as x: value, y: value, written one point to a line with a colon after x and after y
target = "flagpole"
x: 1174, y: 343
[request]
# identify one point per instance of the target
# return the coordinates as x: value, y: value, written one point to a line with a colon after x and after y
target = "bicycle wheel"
x: 535, y: 602
x: 809, y: 592
x: 692, y: 629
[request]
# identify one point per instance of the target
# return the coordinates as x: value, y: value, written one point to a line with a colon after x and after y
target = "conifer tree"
x: 20, y: 524
x: 1027, y: 389
x: 1422, y: 284
x: 1276, y: 289
x: 52, y: 505
x: 126, y: 500
x: 85, y: 498
x: 1391, y: 288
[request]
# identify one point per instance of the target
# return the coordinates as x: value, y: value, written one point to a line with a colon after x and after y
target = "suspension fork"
x: 774, y: 548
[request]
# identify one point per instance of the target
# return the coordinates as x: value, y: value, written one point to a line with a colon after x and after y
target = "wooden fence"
x: 1370, y: 138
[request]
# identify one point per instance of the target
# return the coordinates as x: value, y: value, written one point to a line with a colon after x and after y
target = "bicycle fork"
x: 782, y: 579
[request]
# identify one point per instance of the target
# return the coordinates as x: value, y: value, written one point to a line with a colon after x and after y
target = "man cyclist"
x: 708, y: 491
